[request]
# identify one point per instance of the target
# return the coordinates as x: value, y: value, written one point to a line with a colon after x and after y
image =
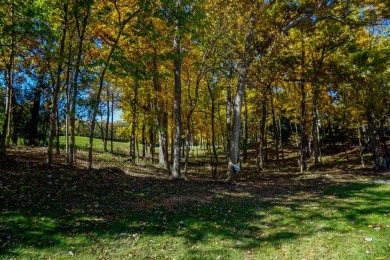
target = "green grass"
x: 82, y: 143
x: 96, y: 215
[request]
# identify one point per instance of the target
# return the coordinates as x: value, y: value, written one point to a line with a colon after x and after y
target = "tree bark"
x: 152, y: 138
x: 243, y: 69
x: 81, y: 33
x: 276, y: 129
x: 245, y: 145
x: 162, y: 117
x: 112, y: 123
x: 177, y: 102
x: 6, y: 133
x: 361, y: 154
x: 214, y: 162
x: 262, y: 139
x: 33, y: 135
x: 134, y: 123
x: 315, y: 132
x: 304, y: 138
x: 107, y: 120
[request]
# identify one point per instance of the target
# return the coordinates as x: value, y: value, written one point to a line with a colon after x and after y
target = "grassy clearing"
x: 82, y: 143
x: 63, y: 213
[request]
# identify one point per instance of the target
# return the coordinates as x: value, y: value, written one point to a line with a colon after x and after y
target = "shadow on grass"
x: 44, y: 207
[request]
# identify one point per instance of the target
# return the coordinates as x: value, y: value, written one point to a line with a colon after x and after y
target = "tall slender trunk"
x: 281, y: 138
x: 315, y: 132
x: 245, y: 145
x: 52, y: 125
x: 177, y: 102
x: 187, y: 145
x: 33, y: 135
x: 58, y: 134
x: 262, y: 139
x: 229, y: 113
x: 374, y: 138
x: 67, y: 106
x: 276, y: 129
x: 172, y: 142
x: 243, y: 69
x: 214, y: 162
x: 6, y: 132
x: 193, y: 102
x: 304, y: 138
x: 107, y: 120
x: 81, y: 33
x: 223, y: 133
x: 143, y: 141
x: 134, y: 123
x: 382, y: 138
x: 152, y: 138
x: 162, y: 117
x: 56, y: 90
x: 361, y: 154
x: 112, y: 123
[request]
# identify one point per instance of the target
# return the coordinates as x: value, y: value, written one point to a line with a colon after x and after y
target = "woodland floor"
x: 126, y: 211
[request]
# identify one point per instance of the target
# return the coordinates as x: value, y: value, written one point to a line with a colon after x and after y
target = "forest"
x: 126, y: 113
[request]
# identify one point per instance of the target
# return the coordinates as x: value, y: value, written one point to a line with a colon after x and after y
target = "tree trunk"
x: 361, y: 154
x: 304, y: 138
x: 152, y: 139
x: 162, y: 117
x: 134, y: 124
x: 243, y: 69
x: 281, y: 138
x: 177, y: 102
x: 187, y: 146
x: 112, y: 122
x: 58, y: 134
x: 229, y: 113
x: 374, y: 138
x: 245, y: 145
x: 385, y: 152
x: 276, y: 132
x: 107, y: 121
x: 81, y: 33
x: 33, y: 135
x: 214, y: 162
x: 67, y: 106
x: 315, y: 132
x: 262, y: 139
x: 143, y: 141
x: 56, y: 90
x: 6, y: 133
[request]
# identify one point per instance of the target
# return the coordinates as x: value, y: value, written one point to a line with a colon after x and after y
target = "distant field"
x: 82, y: 143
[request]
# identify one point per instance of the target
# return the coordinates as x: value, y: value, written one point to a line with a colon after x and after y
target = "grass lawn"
x: 65, y: 213
x: 82, y: 143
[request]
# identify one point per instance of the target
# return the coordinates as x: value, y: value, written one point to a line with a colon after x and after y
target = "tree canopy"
x: 231, y: 76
